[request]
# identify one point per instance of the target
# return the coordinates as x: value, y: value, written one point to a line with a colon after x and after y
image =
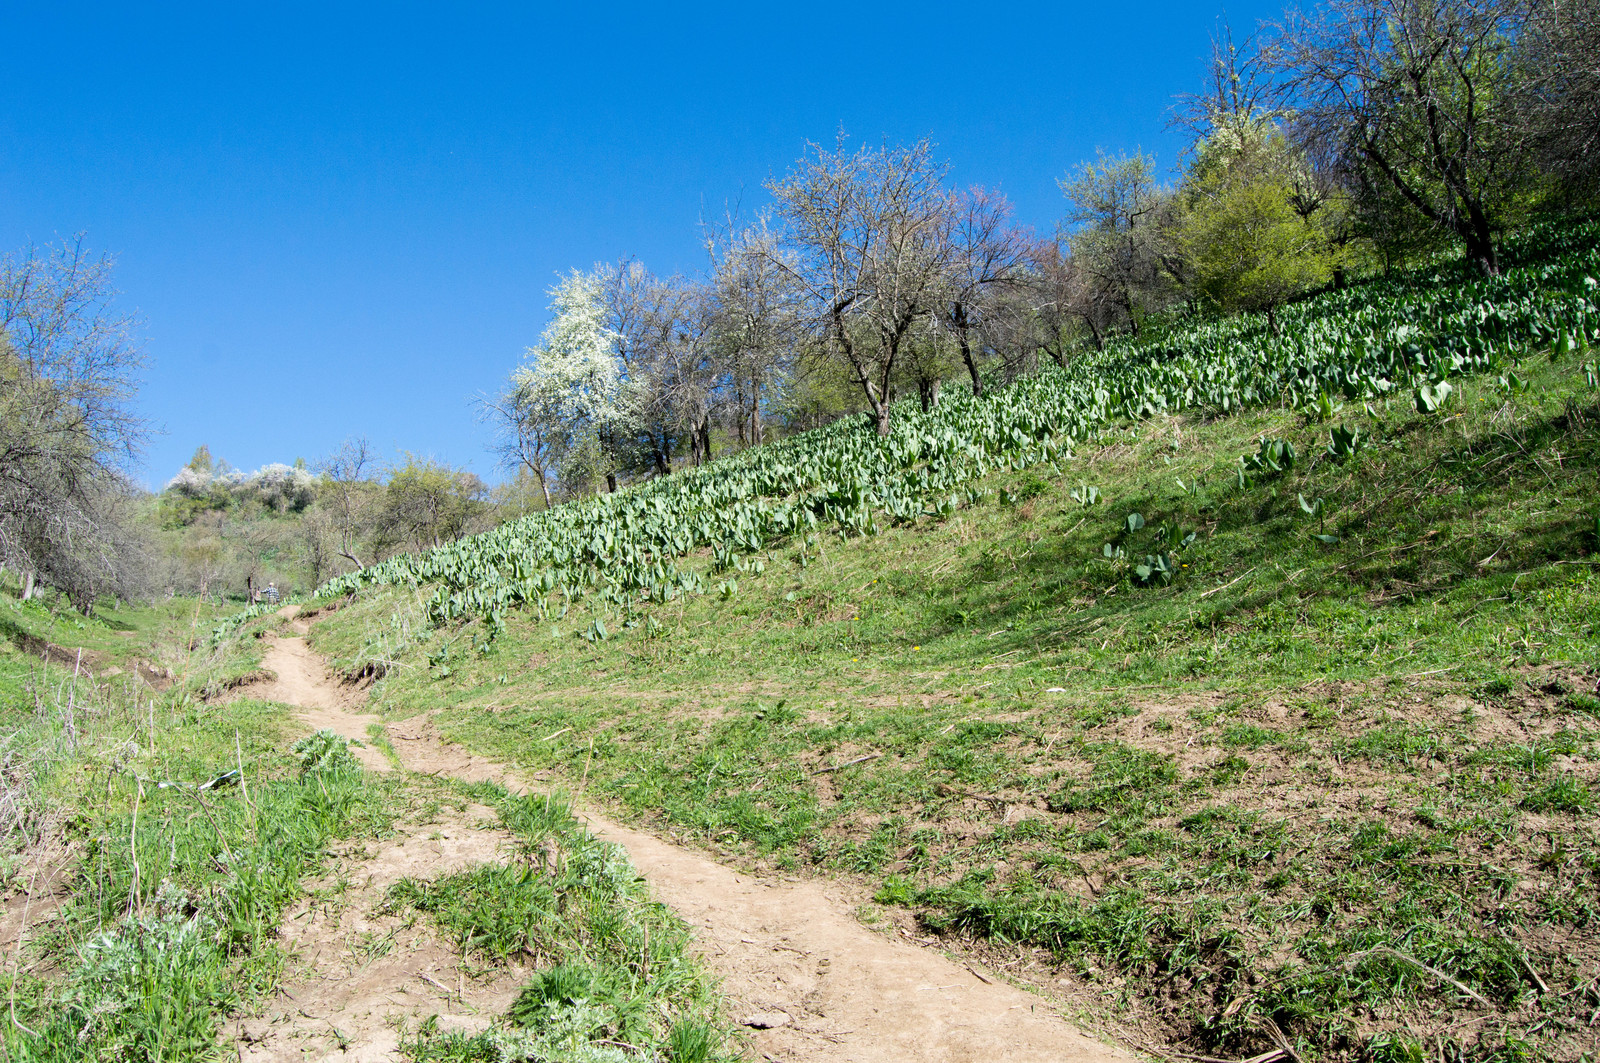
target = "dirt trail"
x: 301, y: 680
x: 790, y: 951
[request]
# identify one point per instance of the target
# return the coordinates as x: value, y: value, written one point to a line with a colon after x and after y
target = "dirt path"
x: 790, y: 951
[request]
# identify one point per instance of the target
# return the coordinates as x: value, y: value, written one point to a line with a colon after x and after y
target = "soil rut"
x: 791, y: 952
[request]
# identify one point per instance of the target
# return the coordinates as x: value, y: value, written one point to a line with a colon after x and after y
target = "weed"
x: 1563, y: 795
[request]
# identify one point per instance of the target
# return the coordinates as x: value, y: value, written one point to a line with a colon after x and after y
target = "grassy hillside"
x: 1410, y: 333
x: 1323, y: 771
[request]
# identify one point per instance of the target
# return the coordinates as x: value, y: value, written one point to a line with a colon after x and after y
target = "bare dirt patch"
x: 364, y: 974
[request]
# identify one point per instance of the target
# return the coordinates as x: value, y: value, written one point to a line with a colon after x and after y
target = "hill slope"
x: 1324, y: 772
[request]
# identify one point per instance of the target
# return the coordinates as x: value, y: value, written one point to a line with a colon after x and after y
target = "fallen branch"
x: 1384, y: 950
x: 846, y: 764
x: 1225, y: 586
x: 1172, y: 1053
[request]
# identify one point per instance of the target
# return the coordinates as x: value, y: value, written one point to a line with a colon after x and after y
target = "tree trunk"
x: 928, y: 392
x: 544, y: 489
x: 705, y: 439
x: 1272, y: 319
x: 972, y: 366
x: 1480, y: 245
x: 958, y: 318
x: 27, y: 586
x: 611, y: 483
x: 1094, y: 334
x: 882, y: 414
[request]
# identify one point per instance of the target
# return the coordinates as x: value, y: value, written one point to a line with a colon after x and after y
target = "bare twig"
x: 846, y: 764
x: 1277, y: 1035
x: 1544, y: 990
x: 1172, y: 1053
x: 133, y: 846
x: 1225, y: 586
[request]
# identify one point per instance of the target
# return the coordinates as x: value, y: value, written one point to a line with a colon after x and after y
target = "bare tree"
x: 927, y: 356
x: 691, y: 370
x: 68, y: 365
x: 1066, y: 301
x: 1239, y: 85
x: 348, y: 489
x: 1559, y: 105
x: 868, y: 232
x: 1118, y: 235
x: 1418, y: 97
x: 643, y: 313
x: 754, y: 319
x: 987, y: 255
x: 529, y: 428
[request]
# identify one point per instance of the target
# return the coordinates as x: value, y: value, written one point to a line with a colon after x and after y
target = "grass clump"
x: 185, y: 829
x: 615, y: 981
x: 150, y: 988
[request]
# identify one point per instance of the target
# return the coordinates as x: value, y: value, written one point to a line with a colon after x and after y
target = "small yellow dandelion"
x: 916, y: 647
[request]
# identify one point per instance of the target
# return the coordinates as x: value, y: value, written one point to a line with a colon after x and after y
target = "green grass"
x: 178, y: 897
x: 615, y: 980
x: 1204, y: 764
x: 190, y: 826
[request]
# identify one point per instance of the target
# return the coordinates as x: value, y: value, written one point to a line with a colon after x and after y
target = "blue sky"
x: 343, y: 221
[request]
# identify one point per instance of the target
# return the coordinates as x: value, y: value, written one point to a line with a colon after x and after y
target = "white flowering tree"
x: 563, y: 409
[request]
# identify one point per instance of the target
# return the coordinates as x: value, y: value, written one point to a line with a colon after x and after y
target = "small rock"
x: 765, y: 1020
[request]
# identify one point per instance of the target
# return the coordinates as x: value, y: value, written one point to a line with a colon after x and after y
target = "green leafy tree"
x: 1252, y: 224
x: 1419, y: 102
x: 427, y: 503
x: 1120, y: 239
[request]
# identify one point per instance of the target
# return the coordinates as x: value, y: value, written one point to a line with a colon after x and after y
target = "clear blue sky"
x: 343, y: 221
